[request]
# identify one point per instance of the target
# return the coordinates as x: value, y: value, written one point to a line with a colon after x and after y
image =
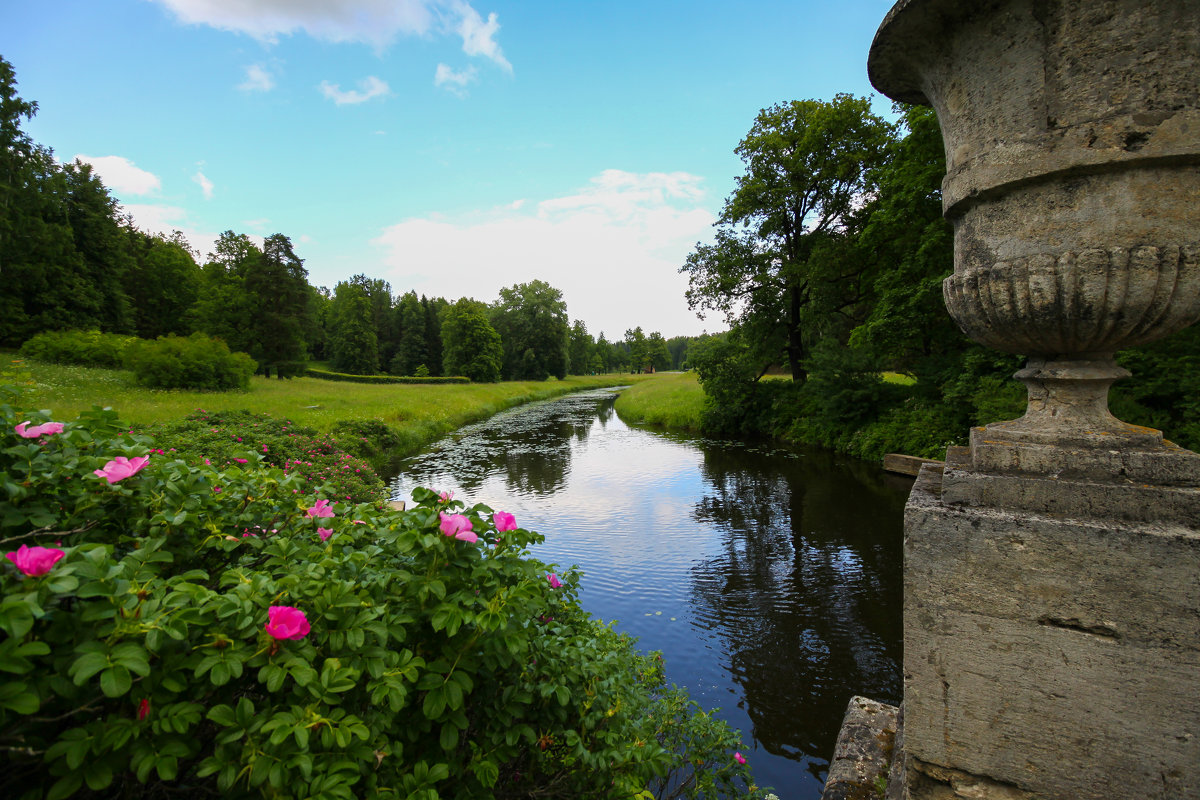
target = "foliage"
x: 90, y: 348
x: 203, y: 633
x: 353, y: 343
x: 276, y: 284
x: 581, y: 349
x: 337, y: 376
x: 193, y: 362
x: 531, y: 319
x: 471, y: 346
x: 226, y: 438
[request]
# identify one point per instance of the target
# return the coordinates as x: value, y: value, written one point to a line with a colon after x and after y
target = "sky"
x: 450, y: 148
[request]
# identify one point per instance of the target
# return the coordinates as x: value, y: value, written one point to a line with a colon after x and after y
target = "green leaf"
x: 98, y: 775
x: 19, y: 698
x: 222, y: 715
x: 449, y: 737
x: 115, y: 681
x: 86, y: 666
x: 435, y: 703
x: 65, y: 786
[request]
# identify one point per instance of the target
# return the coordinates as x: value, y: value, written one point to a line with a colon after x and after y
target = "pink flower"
x: 324, y: 533
x: 45, y: 429
x: 35, y: 561
x: 241, y: 460
x: 554, y: 581
x: 143, y: 709
x: 504, y: 521
x: 121, y: 468
x: 321, y: 509
x: 286, y: 622
x: 738, y: 757
x: 458, y: 526
x: 445, y: 497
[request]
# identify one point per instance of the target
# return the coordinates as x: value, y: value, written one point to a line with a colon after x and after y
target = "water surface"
x: 770, y: 578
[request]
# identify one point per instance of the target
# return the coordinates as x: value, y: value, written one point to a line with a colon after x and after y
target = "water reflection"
x: 769, y: 578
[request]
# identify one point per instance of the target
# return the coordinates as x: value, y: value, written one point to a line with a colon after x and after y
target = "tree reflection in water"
x: 805, y: 592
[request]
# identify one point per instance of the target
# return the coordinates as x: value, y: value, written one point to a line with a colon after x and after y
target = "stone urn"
x: 1072, y: 138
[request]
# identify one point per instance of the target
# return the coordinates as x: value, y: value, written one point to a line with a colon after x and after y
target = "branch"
x: 48, y: 530
x: 81, y: 709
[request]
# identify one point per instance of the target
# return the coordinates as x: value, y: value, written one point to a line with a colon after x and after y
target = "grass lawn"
x: 418, y: 413
x: 673, y: 399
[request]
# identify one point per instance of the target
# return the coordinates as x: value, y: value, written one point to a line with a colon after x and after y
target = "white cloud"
x: 261, y: 222
x: 121, y: 175
x: 453, y: 82
x: 614, y: 248
x: 206, y: 185
x: 479, y: 36
x: 371, y: 88
x: 258, y: 79
x: 375, y: 22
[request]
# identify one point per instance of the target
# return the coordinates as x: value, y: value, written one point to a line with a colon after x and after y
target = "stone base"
x: 863, y: 754
x: 1050, y: 653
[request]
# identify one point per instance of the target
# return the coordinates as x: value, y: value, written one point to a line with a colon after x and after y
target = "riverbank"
x: 672, y: 400
x: 413, y: 416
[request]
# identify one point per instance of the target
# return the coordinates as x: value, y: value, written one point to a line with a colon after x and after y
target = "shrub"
x: 339, y: 376
x: 204, y: 634
x: 88, y: 348
x: 227, y: 438
x: 194, y: 362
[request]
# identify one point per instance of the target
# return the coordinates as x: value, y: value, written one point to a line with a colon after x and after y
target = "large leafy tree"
x: 413, y: 350
x: 162, y: 283
x: 532, y: 321
x: 582, y: 349
x: 353, y: 345
x: 224, y: 307
x: 471, y: 346
x: 785, y: 273
x: 277, y: 287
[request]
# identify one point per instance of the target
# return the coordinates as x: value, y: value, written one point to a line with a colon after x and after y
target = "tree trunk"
x: 795, y: 341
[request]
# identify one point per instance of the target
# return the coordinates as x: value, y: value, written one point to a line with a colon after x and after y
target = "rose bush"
x: 200, y: 642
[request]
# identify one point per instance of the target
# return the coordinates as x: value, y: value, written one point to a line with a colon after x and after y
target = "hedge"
x: 342, y: 376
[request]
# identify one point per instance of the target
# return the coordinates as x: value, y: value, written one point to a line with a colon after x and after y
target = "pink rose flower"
x: 121, y: 468
x: 143, y: 710
x: 241, y: 460
x: 458, y: 526
x: 286, y: 622
x: 738, y: 757
x: 35, y: 561
x: 504, y: 521
x: 323, y: 508
x: 555, y: 583
x: 45, y: 429
x: 445, y: 497
x: 324, y: 533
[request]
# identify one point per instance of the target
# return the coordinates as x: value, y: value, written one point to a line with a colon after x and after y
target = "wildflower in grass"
x: 34, y: 561
x: 324, y: 533
x: 738, y: 757
x: 286, y: 622
x: 555, y: 583
x: 121, y: 468
x: 458, y: 526
x: 504, y: 521
x: 320, y: 510
x: 38, y: 431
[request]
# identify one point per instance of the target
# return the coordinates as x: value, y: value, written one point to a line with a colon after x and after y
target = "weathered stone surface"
x: 863, y: 753
x: 1055, y: 656
x: 906, y: 465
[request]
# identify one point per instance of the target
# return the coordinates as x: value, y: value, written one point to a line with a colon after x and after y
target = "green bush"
x: 194, y: 362
x: 88, y: 348
x: 149, y: 661
x: 341, y: 376
x: 227, y: 438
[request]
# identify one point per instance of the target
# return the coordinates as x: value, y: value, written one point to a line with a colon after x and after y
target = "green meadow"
x: 671, y: 399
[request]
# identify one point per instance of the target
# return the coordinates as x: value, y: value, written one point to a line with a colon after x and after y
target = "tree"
x: 413, y: 350
x: 639, y: 354
x: 224, y: 307
x: 581, y: 349
x: 472, y: 346
x: 807, y: 164
x: 16, y: 148
x: 277, y: 288
x: 531, y: 319
x: 353, y: 345
x: 162, y: 283
x: 657, y: 352
x: 434, y: 309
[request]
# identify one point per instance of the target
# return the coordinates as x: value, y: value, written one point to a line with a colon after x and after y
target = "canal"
x: 769, y: 577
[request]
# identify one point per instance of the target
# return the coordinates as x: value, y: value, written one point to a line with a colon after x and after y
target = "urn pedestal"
x: 1052, y: 568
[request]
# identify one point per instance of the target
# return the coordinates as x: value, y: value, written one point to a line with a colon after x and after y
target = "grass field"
x: 418, y: 414
x: 672, y: 399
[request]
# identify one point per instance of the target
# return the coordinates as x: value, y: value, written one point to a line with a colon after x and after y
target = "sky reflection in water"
x: 769, y: 578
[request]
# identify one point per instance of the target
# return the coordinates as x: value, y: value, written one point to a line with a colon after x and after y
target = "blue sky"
x: 447, y: 147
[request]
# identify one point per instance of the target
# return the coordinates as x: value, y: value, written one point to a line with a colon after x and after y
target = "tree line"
x: 827, y: 263
x: 70, y: 259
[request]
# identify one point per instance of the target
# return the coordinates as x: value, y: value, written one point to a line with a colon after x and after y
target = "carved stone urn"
x: 1072, y: 139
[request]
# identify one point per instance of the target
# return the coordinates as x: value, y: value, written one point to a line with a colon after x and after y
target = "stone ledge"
x: 863, y: 753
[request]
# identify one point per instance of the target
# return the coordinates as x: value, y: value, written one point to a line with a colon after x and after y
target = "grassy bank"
x: 673, y: 400
x: 415, y: 414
